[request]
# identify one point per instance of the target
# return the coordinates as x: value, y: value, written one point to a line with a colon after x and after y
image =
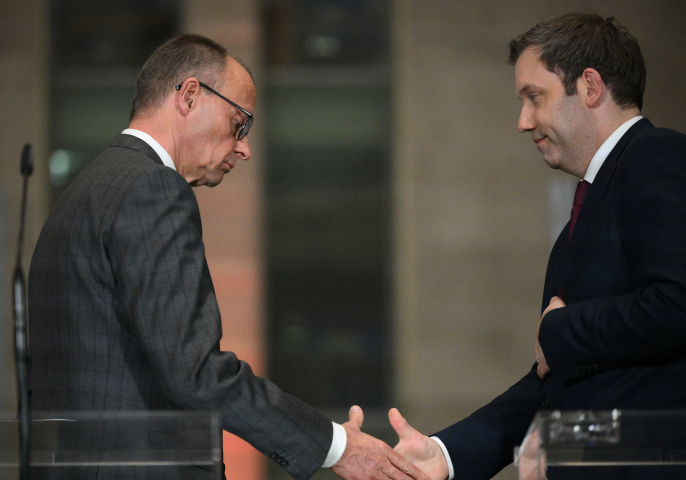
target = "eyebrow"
x: 525, y: 89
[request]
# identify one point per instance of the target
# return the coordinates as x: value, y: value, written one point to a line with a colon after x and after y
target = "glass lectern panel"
x: 604, y: 438
x: 116, y: 439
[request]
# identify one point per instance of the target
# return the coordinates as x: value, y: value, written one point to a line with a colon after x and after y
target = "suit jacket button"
x: 577, y: 370
x: 284, y: 463
x: 274, y: 456
x: 545, y: 401
x: 584, y: 369
x: 596, y: 368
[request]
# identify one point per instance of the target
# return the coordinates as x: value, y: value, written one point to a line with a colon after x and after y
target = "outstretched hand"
x: 418, y: 449
x: 366, y: 458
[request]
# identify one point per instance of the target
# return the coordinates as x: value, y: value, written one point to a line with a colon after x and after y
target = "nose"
x: 242, y: 149
x: 526, y: 122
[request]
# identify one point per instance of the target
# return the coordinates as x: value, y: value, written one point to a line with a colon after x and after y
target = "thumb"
x: 356, y: 417
x: 400, y: 425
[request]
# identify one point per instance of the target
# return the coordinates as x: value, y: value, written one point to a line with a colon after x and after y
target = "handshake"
x: 416, y: 456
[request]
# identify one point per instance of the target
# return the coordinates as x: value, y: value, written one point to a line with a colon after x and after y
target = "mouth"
x: 538, y: 141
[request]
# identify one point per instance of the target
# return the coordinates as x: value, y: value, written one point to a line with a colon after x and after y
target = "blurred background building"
x: 386, y: 244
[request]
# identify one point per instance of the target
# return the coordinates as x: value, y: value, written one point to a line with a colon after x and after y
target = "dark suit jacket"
x: 123, y: 314
x: 621, y: 341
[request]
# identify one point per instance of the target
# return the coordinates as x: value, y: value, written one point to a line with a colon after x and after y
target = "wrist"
x: 449, y: 472
x: 338, y: 444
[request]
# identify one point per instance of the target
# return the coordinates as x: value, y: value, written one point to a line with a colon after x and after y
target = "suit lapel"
x: 592, y: 202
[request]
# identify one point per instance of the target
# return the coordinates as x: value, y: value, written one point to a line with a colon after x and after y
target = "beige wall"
x: 472, y: 202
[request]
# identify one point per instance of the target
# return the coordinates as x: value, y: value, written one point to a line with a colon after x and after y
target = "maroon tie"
x: 579, y: 195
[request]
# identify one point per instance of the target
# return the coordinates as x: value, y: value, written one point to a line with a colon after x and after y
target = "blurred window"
x: 328, y: 201
x: 98, y: 48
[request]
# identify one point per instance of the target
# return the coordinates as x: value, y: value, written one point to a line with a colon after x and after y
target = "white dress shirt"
x: 340, y: 439
x: 159, y: 150
x: 606, y: 148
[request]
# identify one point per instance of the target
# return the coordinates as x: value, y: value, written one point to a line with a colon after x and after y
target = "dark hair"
x: 572, y: 42
x: 181, y: 57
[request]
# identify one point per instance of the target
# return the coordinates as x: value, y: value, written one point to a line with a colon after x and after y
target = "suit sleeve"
x: 647, y: 325
x: 483, y: 444
x: 167, y: 301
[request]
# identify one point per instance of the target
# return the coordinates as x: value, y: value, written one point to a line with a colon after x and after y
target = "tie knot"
x: 580, y: 194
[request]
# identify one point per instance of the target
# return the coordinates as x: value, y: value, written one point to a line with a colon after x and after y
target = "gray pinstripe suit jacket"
x: 123, y: 314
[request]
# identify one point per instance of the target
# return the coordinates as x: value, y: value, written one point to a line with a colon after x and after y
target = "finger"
x: 529, y: 470
x: 539, y: 371
x: 550, y: 307
x: 356, y: 417
x: 557, y: 302
x: 542, y: 370
x: 400, y: 425
x: 404, y: 469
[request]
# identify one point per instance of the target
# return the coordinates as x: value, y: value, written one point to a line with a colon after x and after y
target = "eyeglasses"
x: 245, y: 128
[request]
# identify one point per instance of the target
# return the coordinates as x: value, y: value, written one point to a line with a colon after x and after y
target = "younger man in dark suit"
x: 122, y: 307
x: 612, y: 332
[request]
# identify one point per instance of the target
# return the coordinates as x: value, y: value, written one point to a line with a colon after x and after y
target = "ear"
x: 186, y: 96
x: 591, y: 87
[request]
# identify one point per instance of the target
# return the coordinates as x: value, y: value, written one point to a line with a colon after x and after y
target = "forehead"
x: 239, y: 86
x: 531, y: 74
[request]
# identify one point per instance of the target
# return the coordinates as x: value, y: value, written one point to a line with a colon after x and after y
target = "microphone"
x: 21, y: 345
x: 27, y: 160
x: 26, y: 169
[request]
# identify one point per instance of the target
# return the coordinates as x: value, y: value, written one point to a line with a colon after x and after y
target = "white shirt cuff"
x: 451, y: 472
x: 340, y: 439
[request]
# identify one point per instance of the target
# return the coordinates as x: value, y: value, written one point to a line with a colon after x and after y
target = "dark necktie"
x: 579, y: 195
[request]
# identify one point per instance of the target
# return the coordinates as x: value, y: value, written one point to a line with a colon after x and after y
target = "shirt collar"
x: 159, y: 150
x: 606, y: 148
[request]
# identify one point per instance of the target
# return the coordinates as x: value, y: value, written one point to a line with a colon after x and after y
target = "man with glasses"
x: 123, y: 311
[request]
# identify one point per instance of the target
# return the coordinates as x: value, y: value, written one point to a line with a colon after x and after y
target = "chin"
x: 215, y: 182
x: 215, y: 177
x: 551, y: 164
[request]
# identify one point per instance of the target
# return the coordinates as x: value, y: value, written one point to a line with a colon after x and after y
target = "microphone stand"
x: 21, y: 344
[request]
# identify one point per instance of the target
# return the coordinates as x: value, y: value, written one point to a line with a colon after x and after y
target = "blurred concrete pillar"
x: 232, y: 218
x: 24, y: 46
x: 471, y: 218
